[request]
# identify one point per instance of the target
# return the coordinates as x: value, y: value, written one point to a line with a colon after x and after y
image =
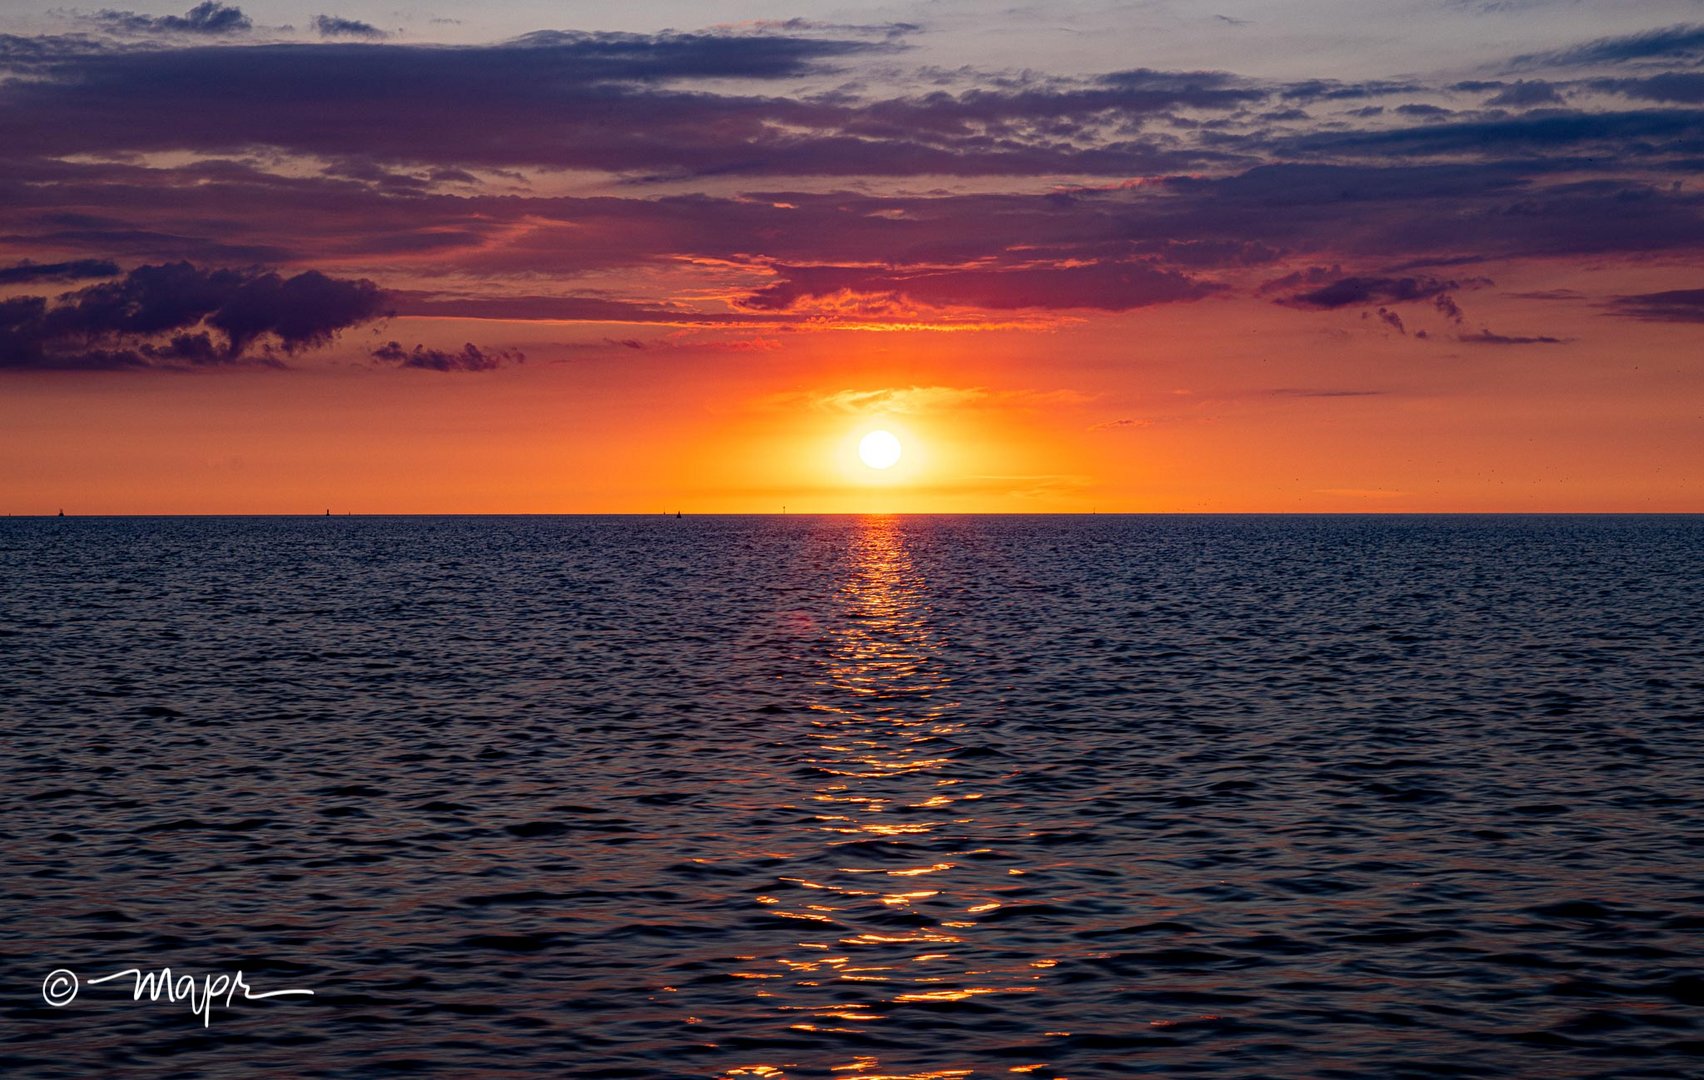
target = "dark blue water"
x: 857, y: 797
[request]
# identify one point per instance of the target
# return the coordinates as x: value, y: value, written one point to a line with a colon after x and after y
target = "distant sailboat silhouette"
x: 62, y: 513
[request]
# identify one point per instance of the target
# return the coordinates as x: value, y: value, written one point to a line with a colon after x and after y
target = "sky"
x: 549, y: 257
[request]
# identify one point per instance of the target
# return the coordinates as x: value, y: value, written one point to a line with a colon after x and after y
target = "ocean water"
x: 896, y: 797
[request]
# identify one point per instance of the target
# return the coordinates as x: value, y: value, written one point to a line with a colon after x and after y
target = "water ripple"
x: 901, y: 798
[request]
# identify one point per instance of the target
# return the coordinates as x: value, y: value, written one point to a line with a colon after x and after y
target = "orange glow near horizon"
x: 1119, y: 415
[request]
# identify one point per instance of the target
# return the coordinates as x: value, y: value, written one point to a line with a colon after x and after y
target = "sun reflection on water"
x: 890, y: 906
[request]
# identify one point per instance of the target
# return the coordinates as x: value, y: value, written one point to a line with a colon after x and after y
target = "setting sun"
x: 879, y: 450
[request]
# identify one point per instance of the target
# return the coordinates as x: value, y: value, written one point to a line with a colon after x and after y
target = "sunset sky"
x: 559, y: 257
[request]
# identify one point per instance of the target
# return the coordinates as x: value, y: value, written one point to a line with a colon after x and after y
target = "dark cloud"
x: 1550, y: 294
x: 209, y: 18
x: 333, y: 26
x: 593, y: 56
x: 1676, y: 305
x: 1387, y: 222
x: 1332, y: 90
x: 1486, y: 337
x: 180, y: 315
x: 1351, y: 291
x: 20, y: 52
x: 1220, y: 87
x: 469, y: 357
x: 74, y: 270
x: 561, y: 309
x: 1313, y: 275
x: 554, y: 99
x: 623, y: 103
x: 1108, y: 286
x: 1526, y: 93
x: 1645, y: 133
x: 1684, y: 42
x: 1134, y: 187
x: 1001, y: 130
x: 1686, y: 88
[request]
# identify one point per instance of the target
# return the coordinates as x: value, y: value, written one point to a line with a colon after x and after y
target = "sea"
x: 896, y: 797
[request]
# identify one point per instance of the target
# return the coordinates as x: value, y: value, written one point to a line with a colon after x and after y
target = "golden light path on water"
x: 886, y: 930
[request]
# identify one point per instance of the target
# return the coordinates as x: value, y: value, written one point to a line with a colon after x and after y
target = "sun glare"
x: 879, y: 450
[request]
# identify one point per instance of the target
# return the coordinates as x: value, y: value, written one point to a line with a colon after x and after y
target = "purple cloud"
x: 1105, y: 286
x: 1366, y: 290
x: 73, y: 270
x: 1487, y: 337
x: 469, y: 357
x: 208, y: 18
x: 333, y: 26
x: 179, y: 315
x: 1675, y: 305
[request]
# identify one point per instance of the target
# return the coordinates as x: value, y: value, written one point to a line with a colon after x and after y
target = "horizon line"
x: 873, y: 513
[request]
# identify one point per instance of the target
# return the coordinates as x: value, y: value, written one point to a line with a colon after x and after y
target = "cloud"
x: 1686, y: 88
x: 178, y: 315
x: 899, y: 400
x: 74, y: 270
x: 551, y: 98
x: 1675, y: 305
x: 913, y: 400
x: 1105, y: 286
x: 333, y: 26
x: 1057, y: 250
x: 801, y: 25
x: 1526, y: 93
x: 1332, y: 90
x: 594, y: 309
x: 469, y: 358
x: 208, y: 18
x: 1645, y: 133
x: 1366, y: 290
x: 1486, y: 337
x: 627, y: 104
x: 598, y: 56
x: 1684, y: 42
x: 741, y: 170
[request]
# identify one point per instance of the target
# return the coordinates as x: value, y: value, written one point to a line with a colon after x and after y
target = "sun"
x: 879, y: 450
